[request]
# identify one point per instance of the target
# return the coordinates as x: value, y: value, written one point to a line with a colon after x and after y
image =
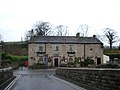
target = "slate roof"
x: 65, y: 40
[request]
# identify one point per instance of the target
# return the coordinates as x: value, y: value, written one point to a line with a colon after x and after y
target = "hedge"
x: 13, y: 57
x: 112, y: 56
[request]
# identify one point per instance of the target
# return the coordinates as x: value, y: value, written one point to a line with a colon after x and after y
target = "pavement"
x: 42, y: 79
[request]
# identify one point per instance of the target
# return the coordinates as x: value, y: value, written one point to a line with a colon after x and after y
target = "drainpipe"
x: 45, y: 57
x: 45, y: 48
x: 84, y: 51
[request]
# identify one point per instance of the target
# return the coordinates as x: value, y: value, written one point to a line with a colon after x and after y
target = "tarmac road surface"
x: 41, y: 80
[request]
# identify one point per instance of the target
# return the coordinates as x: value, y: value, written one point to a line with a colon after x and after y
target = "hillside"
x: 114, y: 53
x: 15, y: 48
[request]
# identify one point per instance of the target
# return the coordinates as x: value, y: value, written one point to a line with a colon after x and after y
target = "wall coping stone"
x: 5, y: 69
x: 101, y: 69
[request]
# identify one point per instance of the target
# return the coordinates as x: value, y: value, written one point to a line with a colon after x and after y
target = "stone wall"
x: 103, y: 79
x: 6, y: 75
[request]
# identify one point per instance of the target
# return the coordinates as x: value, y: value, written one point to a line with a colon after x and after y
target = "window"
x: 40, y: 48
x: 56, y: 55
x: 91, y: 50
x: 40, y: 60
x: 91, y: 57
x: 70, y: 59
x: 71, y: 48
x: 31, y: 57
x: 56, y: 48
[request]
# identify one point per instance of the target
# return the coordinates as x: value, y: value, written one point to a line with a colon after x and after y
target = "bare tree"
x: 29, y: 34
x: 83, y: 30
x: 62, y: 30
x: 111, y: 36
x: 0, y: 38
x: 40, y: 29
x: 100, y: 37
x: 43, y: 28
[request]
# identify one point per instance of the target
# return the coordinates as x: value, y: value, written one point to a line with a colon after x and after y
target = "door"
x: 56, y: 62
x: 98, y: 61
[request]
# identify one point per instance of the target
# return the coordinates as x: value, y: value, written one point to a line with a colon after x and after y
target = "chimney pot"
x: 78, y: 35
x: 94, y: 35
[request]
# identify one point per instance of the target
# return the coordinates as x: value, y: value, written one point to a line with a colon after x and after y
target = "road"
x: 41, y: 80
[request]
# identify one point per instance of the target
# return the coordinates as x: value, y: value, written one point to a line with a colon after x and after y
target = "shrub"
x: 76, y: 61
x: 38, y: 66
x: 3, y: 55
x: 108, y: 66
x: 112, y: 56
x: 71, y: 64
x: 87, y: 62
x: 63, y: 65
x: 14, y: 58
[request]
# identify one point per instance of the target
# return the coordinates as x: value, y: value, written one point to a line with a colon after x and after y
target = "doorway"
x: 98, y: 61
x: 56, y: 62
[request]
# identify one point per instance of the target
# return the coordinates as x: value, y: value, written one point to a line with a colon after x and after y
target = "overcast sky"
x: 18, y: 16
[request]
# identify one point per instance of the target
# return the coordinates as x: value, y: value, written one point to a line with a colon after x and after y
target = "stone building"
x: 54, y: 50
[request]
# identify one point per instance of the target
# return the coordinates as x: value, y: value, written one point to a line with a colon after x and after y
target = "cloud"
x: 17, y: 16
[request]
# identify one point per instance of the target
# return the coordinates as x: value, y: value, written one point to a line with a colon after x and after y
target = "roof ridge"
x: 65, y: 39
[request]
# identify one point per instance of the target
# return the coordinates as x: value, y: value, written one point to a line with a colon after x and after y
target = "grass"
x: 111, y: 51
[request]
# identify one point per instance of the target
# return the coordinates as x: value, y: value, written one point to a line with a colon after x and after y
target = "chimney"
x: 94, y: 36
x: 78, y: 35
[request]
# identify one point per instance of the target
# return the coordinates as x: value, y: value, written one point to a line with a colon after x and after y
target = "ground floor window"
x: 70, y: 59
x: 40, y: 60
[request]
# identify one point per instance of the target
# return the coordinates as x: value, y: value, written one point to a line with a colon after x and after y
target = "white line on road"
x: 12, y: 83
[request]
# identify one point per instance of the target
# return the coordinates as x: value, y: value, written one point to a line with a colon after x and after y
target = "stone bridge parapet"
x: 101, y: 79
x: 6, y: 76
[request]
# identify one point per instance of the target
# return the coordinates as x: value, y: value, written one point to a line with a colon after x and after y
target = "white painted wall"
x: 105, y: 59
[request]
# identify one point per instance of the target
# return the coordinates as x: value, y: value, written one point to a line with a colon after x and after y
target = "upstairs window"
x: 56, y: 48
x: 41, y: 48
x: 91, y: 49
x: 71, y: 48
